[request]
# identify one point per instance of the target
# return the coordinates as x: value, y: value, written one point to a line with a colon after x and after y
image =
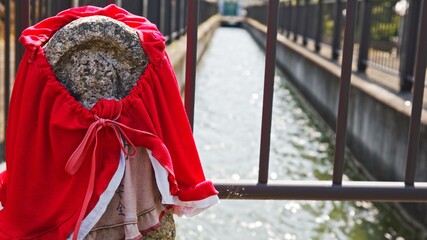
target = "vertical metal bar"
x: 37, y: 10
x: 408, y: 50
x: 33, y: 9
x: 319, y: 27
x: 296, y: 22
x: 281, y: 18
x: 43, y: 9
x: 177, y: 18
x: 417, y: 101
x: 306, y: 19
x: 191, y: 59
x: 40, y: 10
x: 202, y: 12
x: 341, y: 128
x: 336, y: 40
x: 99, y: 3
x: 133, y: 6
x: 287, y: 18
x: 49, y: 7
x: 185, y: 17
x: 173, y: 19
x: 153, y: 13
x: 22, y: 21
x: 6, y: 62
x: 267, y: 109
x: 290, y: 22
x: 265, y: 15
x: 167, y: 20
x: 39, y: 5
x: 58, y: 6
x: 362, y: 61
x: 161, y: 25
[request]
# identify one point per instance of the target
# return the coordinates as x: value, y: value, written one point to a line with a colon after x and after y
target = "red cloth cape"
x: 46, y: 124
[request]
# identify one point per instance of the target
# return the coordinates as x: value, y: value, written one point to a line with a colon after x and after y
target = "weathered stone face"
x: 96, y: 57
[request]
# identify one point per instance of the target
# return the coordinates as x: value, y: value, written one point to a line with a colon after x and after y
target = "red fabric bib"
x: 46, y: 125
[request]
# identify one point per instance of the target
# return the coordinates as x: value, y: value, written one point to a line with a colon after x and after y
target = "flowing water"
x: 227, y: 132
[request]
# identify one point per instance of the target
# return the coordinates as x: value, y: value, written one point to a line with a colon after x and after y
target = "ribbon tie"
x: 76, y: 159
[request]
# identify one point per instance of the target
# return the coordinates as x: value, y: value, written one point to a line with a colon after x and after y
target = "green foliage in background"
x: 385, y: 21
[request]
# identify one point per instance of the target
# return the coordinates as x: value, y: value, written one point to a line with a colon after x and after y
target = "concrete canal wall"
x: 378, y: 121
x: 177, y: 49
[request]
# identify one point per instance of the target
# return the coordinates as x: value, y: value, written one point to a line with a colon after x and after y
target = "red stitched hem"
x: 155, y: 227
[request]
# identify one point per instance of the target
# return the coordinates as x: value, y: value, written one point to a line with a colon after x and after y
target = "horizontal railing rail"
x: 323, y: 190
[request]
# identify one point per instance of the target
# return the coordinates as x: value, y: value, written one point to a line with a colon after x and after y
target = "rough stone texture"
x: 166, y: 231
x: 96, y: 57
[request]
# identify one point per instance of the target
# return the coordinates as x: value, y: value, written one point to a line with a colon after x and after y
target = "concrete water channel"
x: 227, y: 132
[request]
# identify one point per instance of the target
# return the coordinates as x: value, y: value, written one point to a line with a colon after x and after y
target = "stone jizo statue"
x: 98, y: 142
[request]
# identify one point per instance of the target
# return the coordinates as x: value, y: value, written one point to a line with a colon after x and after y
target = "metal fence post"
x: 33, y: 9
x: 202, y: 12
x: 58, y: 6
x: 184, y: 16
x: 418, y: 94
x: 296, y: 22
x: 344, y: 92
x: 6, y: 62
x: 284, y: 12
x: 178, y: 23
x: 362, y: 61
x: 282, y: 15
x: 267, y: 103
x: 265, y: 15
x: 43, y: 7
x: 305, y: 30
x: 191, y: 59
x: 290, y: 17
x: 153, y: 13
x: 22, y: 21
x: 167, y: 12
x: 99, y: 3
x: 336, y: 40
x: 135, y: 7
x: 408, y: 46
x: 319, y: 25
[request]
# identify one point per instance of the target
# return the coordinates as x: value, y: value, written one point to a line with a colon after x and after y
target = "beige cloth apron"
x: 136, y: 206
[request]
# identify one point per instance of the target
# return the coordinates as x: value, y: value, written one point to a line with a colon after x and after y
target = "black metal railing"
x: 385, y: 35
x: 169, y: 15
x: 336, y: 188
